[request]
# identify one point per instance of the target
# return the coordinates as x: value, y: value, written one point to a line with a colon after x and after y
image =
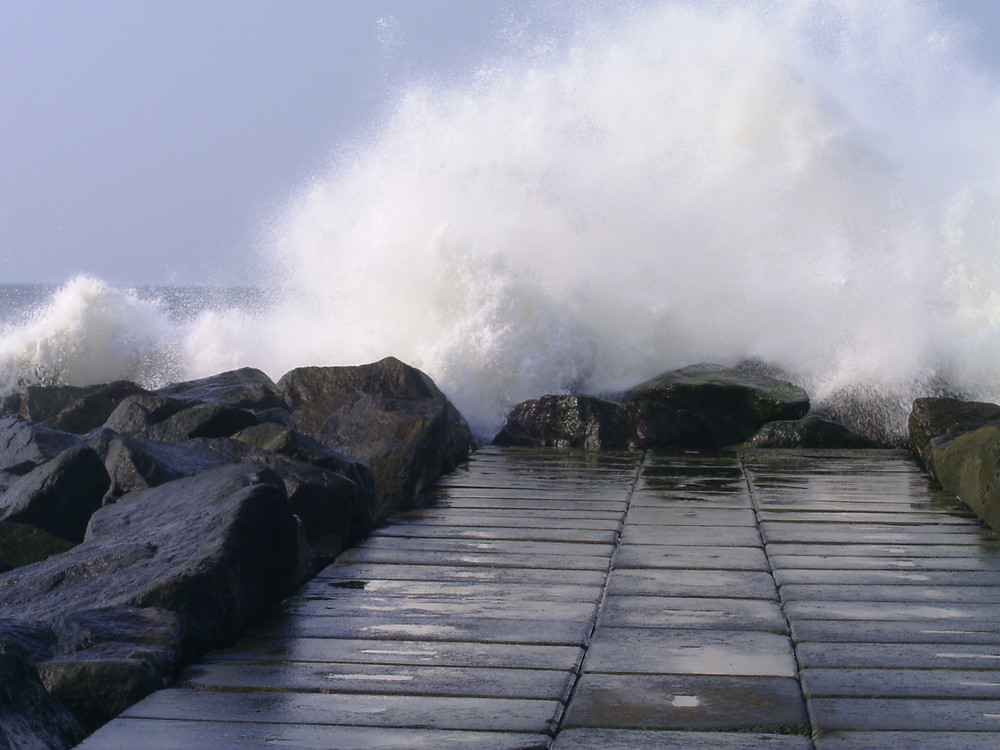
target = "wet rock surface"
x: 143, y: 528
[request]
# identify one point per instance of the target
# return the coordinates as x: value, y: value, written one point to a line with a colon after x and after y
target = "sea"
x: 810, y: 184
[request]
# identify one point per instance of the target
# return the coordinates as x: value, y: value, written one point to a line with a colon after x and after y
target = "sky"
x: 153, y: 141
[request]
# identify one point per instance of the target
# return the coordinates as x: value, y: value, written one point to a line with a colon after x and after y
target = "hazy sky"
x: 150, y: 141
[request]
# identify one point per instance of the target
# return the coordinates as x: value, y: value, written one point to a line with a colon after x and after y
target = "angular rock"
x: 216, y: 549
x: 40, y: 402
x: 936, y: 417
x: 21, y: 544
x: 387, y: 414
x: 811, y: 432
x: 967, y: 465
x: 59, y: 496
x: 734, y: 404
x: 246, y: 388
x: 30, y: 718
x: 135, y: 464
x: 24, y: 446
x: 172, y: 420
x: 92, y: 410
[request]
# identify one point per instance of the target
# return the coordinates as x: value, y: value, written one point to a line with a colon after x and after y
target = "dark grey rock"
x: 936, y: 417
x: 811, y: 432
x: 246, y: 388
x: 135, y: 464
x: 734, y: 404
x: 59, y: 496
x: 171, y: 420
x: 30, y: 718
x: 24, y: 446
x: 387, y: 414
x: 93, y: 408
x: 566, y: 422
x: 22, y: 544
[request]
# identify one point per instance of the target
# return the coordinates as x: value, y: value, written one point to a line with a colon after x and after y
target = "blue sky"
x: 150, y: 141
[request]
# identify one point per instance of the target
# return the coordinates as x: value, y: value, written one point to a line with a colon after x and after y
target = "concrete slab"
x: 638, y: 739
x: 436, y: 607
x: 691, y: 558
x: 882, y: 562
x: 850, y: 534
x: 841, y: 714
x: 932, y: 518
x: 889, y: 655
x: 692, y: 702
x: 983, y: 549
x: 437, y: 653
x: 902, y: 683
x: 707, y: 652
x: 896, y: 631
x: 333, y: 590
x: 691, y: 612
x: 516, y: 504
x: 688, y: 515
x: 388, y: 626
x: 407, y: 571
x: 159, y: 734
x: 485, y: 546
x: 896, y: 578
x: 471, y: 559
x: 723, y: 536
x: 381, y: 679
x: 873, y: 611
x: 403, y: 711
x: 733, y: 584
x: 492, y: 531
x: 891, y: 593
x: 533, y: 519
x: 908, y: 740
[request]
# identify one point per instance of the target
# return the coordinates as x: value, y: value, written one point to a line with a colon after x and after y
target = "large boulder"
x: 92, y: 409
x: 932, y: 418
x: 25, y: 446
x: 29, y: 716
x: 810, y: 432
x: 135, y: 464
x: 173, y: 420
x: 22, y: 544
x: 734, y: 404
x: 59, y: 496
x: 246, y: 388
x: 387, y: 414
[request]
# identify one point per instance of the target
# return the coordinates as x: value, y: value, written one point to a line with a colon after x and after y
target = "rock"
x: 25, y: 446
x: 170, y: 420
x: 59, y: 496
x: 30, y: 718
x: 935, y: 417
x: 387, y: 414
x: 135, y: 464
x: 106, y: 659
x: 732, y: 403
x: 217, y: 549
x: 246, y: 388
x: 38, y: 403
x: 21, y: 544
x: 93, y: 409
x: 33, y: 641
x: 566, y: 422
x: 810, y: 432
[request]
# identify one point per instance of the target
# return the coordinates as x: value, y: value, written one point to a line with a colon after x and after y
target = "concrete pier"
x: 576, y: 601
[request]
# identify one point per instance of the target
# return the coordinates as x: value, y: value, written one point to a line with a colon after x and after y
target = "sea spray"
x: 809, y: 183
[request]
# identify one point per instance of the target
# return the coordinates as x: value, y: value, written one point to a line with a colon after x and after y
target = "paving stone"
x: 896, y: 578
x: 934, y: 519
x: 677, y: 514
x: 839, y: 714
x: 333, y: 590
x: 708, y: 652
x: 691, y: 558
x: 692, y: 612
x: 160, y: 734
x: 381, y: 679
x: 438, y: 653
x: 496, y: 532
x: 907, y: 740
x: 846, y: 610
x: 534, y: 519
x: 895, y: 631
x: 696, y: 702
x: 733, y: 584
x: 517, y: 504
x: 884, y: 562
x: 363, y: 572
x: 403, y: 711
x: 638, y: 739
x: 886, y: 655
x: 890, y: 593
x: 473, y: 605
x: 723, y: 536
x: 485, y: 546
x: 655, y: 496
x: 902, y: 683
x: 988, y: 550
x: 881, y: 534
x: 471, y: 559
x: 508, y: 630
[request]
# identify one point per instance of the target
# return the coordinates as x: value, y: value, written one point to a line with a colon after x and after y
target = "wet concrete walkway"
x: 574, y: 601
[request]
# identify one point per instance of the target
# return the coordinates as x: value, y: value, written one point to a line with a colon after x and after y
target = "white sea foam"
x: 810, y: 183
